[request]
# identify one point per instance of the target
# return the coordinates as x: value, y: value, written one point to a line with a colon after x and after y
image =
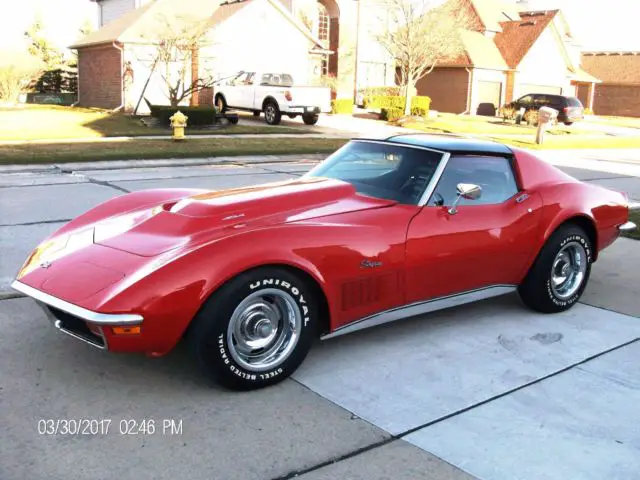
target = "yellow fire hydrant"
x: 178, y: 123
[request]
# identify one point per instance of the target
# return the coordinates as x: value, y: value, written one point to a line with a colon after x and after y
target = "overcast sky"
x: 600, y: 24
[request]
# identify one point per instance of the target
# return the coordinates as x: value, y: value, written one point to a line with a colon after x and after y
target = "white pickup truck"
x: 275, y: 94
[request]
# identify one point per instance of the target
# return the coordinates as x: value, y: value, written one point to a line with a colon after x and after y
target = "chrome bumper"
x: 627, y: 227
x: 70, y: 318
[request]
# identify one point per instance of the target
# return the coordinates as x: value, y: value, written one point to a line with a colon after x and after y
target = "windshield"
x: 382, y: 170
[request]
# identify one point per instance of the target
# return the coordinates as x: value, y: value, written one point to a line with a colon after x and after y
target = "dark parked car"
x: 570, y: 109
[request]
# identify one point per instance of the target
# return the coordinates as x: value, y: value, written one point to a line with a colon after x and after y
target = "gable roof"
x: 492, y: 12
x: 618, y: 67
x: 517, y: 37
x: 139, y: 25
x: 480, y: 52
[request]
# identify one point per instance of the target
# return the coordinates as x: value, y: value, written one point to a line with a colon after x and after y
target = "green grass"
x: 137, y: 148
x: 476, y: 124
x: 629, y: 122
x: 48, y: 122
x: 570, y: 142
x: 634, y: 216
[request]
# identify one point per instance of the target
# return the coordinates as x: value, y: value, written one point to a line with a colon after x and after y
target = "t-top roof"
x: 451, y: 143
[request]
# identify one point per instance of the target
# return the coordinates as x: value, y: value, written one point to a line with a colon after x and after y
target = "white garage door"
x: 488, y: 97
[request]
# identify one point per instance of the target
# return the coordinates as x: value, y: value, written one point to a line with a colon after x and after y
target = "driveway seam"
x: 406, y: 433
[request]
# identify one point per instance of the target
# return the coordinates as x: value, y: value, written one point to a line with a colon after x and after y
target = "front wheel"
x: 310, y: 119
x: 560, y: 274
x: 256, y: 330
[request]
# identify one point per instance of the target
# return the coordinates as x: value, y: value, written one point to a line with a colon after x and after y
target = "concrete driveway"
x: 490, y: 390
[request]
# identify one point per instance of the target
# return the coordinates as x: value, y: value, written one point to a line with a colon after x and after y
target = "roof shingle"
x: 517, y: 37
x: 622, y: 68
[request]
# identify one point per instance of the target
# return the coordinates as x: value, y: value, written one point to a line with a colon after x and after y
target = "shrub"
x: 419, y: 105
x: 531, y: 117
x: 17, y: 71
x: 392, y: 114
x: 588, y: 111
x: 200, y: 115
x: 508, y: 112
x: 342, y: 105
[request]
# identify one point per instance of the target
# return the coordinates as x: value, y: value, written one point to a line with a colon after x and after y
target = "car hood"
x: 212, y: 215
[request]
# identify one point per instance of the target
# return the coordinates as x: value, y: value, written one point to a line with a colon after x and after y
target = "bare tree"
x: 420, y: 34
x: 176, y: 57
x: 17, y: 70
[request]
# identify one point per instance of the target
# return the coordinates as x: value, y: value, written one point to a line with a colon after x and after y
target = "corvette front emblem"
x: 45, y: 264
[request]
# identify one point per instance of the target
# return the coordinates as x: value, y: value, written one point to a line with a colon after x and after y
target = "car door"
x: 482, y: 242
x: 239, y: 93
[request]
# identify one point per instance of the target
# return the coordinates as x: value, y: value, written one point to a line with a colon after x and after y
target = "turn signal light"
x: 126, y: 330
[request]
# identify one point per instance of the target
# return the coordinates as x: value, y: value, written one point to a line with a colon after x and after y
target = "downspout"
x: 469, y: 83
x: 122, y: 99
x: 77, y: 102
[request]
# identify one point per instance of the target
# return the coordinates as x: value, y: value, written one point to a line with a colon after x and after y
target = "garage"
x: 488, y: 96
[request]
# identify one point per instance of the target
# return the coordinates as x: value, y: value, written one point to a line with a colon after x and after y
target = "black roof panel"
x: 451, y: 143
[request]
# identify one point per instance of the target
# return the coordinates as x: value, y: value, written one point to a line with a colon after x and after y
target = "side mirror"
x: 468, y: 191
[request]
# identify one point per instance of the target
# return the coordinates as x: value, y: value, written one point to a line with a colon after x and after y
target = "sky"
x: 599, y: 24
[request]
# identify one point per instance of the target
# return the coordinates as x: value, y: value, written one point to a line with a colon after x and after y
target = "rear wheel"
x: 310, y: 119
x: 272, y: 113
x: 256, y: 330
x: 560, y: 274
x: 568, y: 123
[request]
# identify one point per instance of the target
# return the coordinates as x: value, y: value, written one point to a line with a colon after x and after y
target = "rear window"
x: 573, y: 102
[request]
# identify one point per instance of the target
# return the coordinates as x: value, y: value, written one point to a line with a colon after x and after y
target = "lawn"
x: 48, y: 122
x: 634, y: 216
x: 138, y: 148
x: 629, y: 122
x: 476, y: 124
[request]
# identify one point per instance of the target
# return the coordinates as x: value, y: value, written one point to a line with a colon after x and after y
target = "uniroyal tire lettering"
x: 286, y: 285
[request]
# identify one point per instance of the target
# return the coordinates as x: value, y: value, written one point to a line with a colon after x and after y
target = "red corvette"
x: 381, y: 230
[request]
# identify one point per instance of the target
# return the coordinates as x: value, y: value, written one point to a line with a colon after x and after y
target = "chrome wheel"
x: 270, y: 113
x: 568, y: 270
x: 264, y: 329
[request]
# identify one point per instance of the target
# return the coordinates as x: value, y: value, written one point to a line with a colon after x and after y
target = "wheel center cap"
x: 566, y: 268
x: 263, y: 328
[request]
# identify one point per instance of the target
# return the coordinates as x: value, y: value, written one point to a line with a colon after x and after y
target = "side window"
x: 526, y: 100
x: 493, y: 174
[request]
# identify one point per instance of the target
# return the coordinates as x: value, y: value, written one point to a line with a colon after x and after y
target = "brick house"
x: 117, y: 68
x: 619, y: 92
x: 509, y: 53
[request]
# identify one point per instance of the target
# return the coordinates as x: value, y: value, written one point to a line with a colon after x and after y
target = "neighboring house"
x: 619, y: 92
x: 116, y: 63
x: 345, y: 29
x: 509, y: 53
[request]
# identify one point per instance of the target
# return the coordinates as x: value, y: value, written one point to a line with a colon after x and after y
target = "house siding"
x: 620, y: 100
x: 113, y: 9
x: 100, y: 80
x: 447, y: 88
x: 544, y: 66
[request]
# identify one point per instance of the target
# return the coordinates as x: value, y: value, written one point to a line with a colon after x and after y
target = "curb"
x: 166, y: 162
x: 10, y: 294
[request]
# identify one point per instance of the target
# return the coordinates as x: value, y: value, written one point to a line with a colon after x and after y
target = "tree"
x: 420, y: 34
x: 17, y: 71
x: 41, y: 47
x: 176, y: 57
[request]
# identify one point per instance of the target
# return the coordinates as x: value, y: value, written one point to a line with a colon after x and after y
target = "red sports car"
x: 380, y: 230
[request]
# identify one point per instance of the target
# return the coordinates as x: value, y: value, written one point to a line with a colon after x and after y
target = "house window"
x: 323, y: 25
x: 325, y: 65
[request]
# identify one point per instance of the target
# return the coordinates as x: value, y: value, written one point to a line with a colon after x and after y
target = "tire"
x: 234, y: 316
x: 568, y: 123
x: 272, y: 114
x: 310, y: 119
x: 221, y: 103
x: 538, y: 291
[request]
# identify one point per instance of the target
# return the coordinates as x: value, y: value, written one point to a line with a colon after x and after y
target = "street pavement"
x: 489, y: 390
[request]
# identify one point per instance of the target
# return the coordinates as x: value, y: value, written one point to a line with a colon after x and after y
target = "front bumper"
x: 78, y: 322
x: 627, y: 227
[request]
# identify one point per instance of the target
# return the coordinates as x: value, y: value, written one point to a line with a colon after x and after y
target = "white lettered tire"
x: 256, y: 330
x: 561, y: 272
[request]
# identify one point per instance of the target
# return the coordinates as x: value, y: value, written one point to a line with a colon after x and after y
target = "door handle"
x: 522, y: 198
